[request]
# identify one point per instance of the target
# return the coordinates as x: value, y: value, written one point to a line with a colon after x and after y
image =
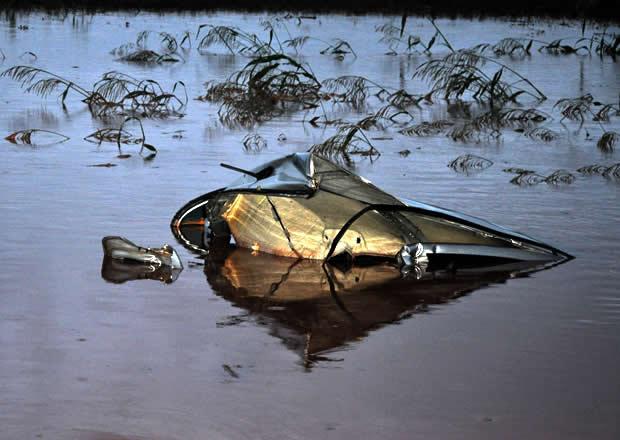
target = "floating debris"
x: 469, y: 163
x: 124, y: 260
x: 281, y: 137
x: 36, y: 136
x: 404, y: 153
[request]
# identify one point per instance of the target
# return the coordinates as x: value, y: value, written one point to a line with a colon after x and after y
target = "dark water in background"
x: 534, y: 357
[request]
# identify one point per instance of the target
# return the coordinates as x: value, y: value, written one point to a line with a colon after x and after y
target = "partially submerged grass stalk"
x: 427, y: 128
x: 542, y: 133
x: 348, y: 141
x: 339, y: 48
x: 527, y: 178
x: 121, y: 136
x: 140, y: 52
x: 397, y: 41
x: 24, y: 137
x: 353, y: 89
x: 470, y: 163
x: 601, y: 170
x: 254, y: 143
x: 234, y: 39
x: 575, y: 108
x: 607, y: 141
x: 384, y: 117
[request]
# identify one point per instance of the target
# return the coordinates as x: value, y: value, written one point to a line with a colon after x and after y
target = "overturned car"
x: 306, y: 207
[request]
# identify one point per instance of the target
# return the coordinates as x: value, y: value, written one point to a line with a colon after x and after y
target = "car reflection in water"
x: 316, y: 308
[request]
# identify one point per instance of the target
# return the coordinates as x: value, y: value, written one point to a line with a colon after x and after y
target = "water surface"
x: 533, y: 357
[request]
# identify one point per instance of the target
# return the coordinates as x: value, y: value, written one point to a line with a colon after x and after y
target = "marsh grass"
x: 115, y: 93
x: 460, y: 74
x: 264, y: 88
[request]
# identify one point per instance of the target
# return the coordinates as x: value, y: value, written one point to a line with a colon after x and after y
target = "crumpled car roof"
x: 302, y: 174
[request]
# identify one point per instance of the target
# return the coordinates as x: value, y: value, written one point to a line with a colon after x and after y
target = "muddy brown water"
x: 81, y: 358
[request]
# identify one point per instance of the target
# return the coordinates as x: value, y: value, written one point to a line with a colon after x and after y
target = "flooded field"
x: 88, y: 353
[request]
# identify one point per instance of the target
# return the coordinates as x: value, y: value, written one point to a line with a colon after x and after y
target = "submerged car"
x: 306, y: 207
